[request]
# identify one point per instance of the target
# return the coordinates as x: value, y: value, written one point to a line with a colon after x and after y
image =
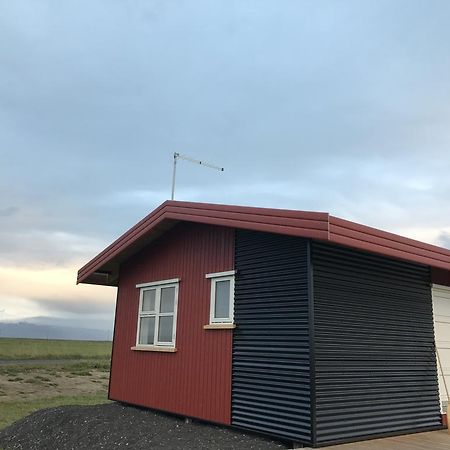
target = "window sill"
x: 153, y: 348
x: 219, y: 326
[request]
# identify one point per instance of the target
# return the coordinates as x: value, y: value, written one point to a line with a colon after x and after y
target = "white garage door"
x: 441, y: 312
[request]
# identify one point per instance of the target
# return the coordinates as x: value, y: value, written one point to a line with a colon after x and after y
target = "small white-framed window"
x: 222, y: 297
x: 157, y: 320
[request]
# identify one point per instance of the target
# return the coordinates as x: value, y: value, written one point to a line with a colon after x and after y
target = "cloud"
x: 75, y: 306
x: 44, y: 247
x: 51, y: 291
x: 333, y: 107
x: 13, y: 307
x: 444, y: 239
x: 8, y: 211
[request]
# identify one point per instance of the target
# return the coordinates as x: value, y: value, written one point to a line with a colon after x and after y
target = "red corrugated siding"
x: 196, y: 380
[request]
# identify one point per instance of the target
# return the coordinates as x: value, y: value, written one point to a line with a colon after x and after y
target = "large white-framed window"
x: 222, y: 297
x: 157, y: 319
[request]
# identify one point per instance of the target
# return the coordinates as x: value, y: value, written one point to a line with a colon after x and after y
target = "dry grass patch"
x: 24, y: 389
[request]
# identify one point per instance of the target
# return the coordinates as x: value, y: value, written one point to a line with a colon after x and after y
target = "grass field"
x: 25, y: 388
x: 53, y: 349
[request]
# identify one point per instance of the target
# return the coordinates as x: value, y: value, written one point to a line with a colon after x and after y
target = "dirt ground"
x: 115, y: 426
x: 40, y: 383
x: 27, y: 388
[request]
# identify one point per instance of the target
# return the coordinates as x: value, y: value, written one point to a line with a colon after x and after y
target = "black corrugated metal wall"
x: 271, y: 371
x: 331, y: 344
x: 374, y: 345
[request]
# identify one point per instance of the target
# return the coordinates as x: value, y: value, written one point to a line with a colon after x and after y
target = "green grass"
x: 74, y: 368
x: 12, y: 411
x: 29, y: 387
x: 53, y: 349
x: 40, y: 380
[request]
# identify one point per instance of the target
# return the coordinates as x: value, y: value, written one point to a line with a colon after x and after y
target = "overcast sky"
x: 338, y: 106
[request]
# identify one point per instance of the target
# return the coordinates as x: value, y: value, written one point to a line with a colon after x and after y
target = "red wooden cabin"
x: 295, y: 324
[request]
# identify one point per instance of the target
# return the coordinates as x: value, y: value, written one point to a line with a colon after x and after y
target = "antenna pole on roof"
x: 177, y: 156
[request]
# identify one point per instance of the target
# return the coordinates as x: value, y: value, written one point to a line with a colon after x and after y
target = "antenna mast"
x: 177, y: 156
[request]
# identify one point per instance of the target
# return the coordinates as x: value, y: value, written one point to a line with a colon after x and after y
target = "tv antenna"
x: 177, y: 156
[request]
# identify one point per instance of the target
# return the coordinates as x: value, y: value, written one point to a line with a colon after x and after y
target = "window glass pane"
x: 148, y: 300
x: 165, y: 329
x: 167, y: 299
x: 147, y: 330
x: 222, y: 300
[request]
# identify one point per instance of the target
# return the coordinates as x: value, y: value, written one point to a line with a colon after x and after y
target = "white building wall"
x: 441, y: 312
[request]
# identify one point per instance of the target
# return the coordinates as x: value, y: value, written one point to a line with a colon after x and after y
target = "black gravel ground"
x: 116, y: 426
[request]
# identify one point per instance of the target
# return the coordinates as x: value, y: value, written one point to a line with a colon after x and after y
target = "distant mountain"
x: 81, y: 321
x: 26, y: 329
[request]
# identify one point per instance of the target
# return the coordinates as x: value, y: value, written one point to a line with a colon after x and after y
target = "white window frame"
x: 216, y: 277
x: 158, y: 285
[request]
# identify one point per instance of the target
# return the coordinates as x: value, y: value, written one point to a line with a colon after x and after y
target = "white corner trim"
x: 228, y: 273
x: 157, y: 283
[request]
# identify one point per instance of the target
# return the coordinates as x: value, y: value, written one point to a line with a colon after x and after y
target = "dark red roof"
x: 103, y: 269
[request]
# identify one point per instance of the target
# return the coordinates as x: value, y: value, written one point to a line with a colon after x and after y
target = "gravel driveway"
x: 115, y: 426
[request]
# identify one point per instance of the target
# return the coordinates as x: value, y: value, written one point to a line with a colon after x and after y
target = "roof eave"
x: 295, y: 223
x: 312, y: 225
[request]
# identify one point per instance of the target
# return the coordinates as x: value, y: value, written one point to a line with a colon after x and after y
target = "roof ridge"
x: 306, y: 224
